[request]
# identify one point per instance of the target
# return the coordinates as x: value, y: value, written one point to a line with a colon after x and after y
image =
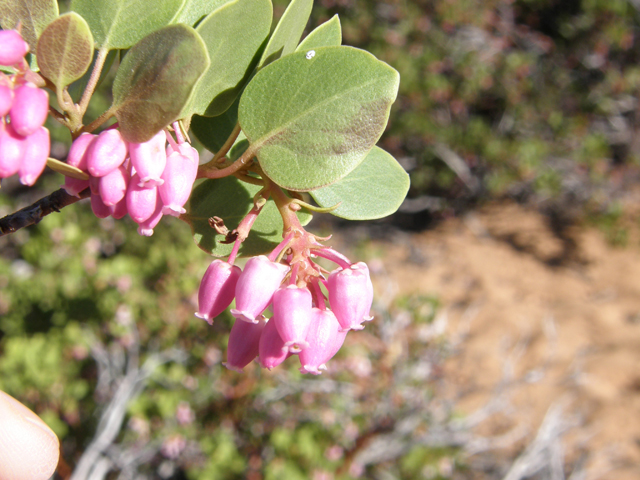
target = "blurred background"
x: 507, y: 330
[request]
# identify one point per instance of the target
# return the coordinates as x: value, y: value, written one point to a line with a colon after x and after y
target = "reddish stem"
x: 178, y: 132
x: 281, y: 246
x: 331, y: 254
x: 316, y: 291
x: 294, y: 273
x: 244, y: 227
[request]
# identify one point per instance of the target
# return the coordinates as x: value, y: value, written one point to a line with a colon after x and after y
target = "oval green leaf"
x: 233, y: 34
x: 33, y: 15
x: 239, y: 147
x: 286, y: 36
x: 375, y: 189
x: 213, y: 132
x: 313, y: 120
x: 65, y: 49
x: 194, y: 10
x: 329, y: 34
x: 231, y: 200
x: 156, y: 79
x: 122, y: 23
x: 77, y: 88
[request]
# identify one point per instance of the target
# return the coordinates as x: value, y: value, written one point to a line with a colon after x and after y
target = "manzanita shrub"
x: 286, y: 121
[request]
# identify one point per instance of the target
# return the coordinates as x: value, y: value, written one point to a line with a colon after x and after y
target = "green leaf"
x: 286, y: 36
x: 122, y: 23
x: 375, y: 189
x: 213, y: 132
x: 239, y: 147
x: 329, y: 34
x: 65, y: 49
x: 77, y: 88
x: 156, y: 79
x: 233, y: 35
x: 33, y: 15
x: 194, y: 10
x: 231, y: 200
x: 313, y: 120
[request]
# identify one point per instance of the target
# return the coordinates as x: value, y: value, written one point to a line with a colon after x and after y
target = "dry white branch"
x: 100, y: 457
x: 546, y: 451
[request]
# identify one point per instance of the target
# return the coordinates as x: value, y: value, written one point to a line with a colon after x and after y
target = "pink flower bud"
x: 338, y: 342
x: 146, y: 228
x: 106, y: 153
x: 217, y: 289
x: 258, y: 282
x: 12, y: 148
x: 74, y: 186
x: 6, y: 99
x: 94, y: 185
x: 149, y: 159
x: 35, y: 156
x: 29, y: 109
x: 271, y: 351
x: 77, y: 156
x: 113, y: 186
x: 292, y: 316
x: 244, y: 341
x: 12, y: 47
x: 141, y: 202
x: 323, y: 336
x: 119, y: 210
x: 179, y: 175
x: 100, y: 210
x: 350, y: 295
x: 185, y: 149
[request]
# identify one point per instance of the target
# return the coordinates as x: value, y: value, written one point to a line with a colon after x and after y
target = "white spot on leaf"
x: 311, y: 54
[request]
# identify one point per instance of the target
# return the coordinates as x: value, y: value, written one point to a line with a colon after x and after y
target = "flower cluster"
x: 24, y: 141
x: 145, y: 180
x: 300, y: 323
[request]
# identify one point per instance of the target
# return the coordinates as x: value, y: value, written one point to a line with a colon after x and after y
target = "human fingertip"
x: 29, y: 449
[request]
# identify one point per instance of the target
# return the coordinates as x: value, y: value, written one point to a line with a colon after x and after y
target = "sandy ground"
x: 565, y: 334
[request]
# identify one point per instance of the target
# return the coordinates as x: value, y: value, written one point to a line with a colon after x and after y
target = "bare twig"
x: 98, y: 459
x: 457, y: 165
x: 545, y: 452
x: 34, y: 213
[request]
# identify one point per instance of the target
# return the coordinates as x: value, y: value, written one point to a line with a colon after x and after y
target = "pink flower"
x: 113, y: 186
x: 350, y: 295
x: 179, y: 174
x: 12, y: 148
x: 141, y: 202
x: 323, y: 338
x: 119, y: 210
x: 29, y: 109
x: 292, y: 316
x: 35, y: 156
x: 12, y: 47
x: 73, y: 186
x: 217, y: 289
x: 6, y: 99
x: 106, y: 153
x: 272, y: 351
x: 146, y: 227
x: 100, y: 210
x: 244, y: 341
x: 258, y: 282
x: 77, y: 156
x: 149, y: 159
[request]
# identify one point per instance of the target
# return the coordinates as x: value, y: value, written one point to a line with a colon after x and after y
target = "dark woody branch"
x: 34, y: 213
